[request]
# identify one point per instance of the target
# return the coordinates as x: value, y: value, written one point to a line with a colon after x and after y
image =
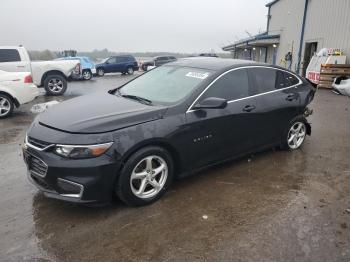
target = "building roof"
x: 271, y: 3
x: 210, y: 63
x: 254, y: 40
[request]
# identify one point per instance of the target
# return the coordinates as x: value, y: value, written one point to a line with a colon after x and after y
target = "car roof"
x: 213, y: 63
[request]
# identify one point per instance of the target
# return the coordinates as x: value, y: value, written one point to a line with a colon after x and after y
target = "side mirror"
x: 211, y: 103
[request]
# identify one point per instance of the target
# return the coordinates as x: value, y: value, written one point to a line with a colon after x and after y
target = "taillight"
x: 28, y: 79
x: 77, y: 68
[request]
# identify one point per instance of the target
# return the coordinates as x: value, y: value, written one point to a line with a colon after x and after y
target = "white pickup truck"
x: 52, y: 75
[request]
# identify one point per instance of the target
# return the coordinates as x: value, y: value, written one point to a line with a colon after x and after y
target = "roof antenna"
x: 250, y: 35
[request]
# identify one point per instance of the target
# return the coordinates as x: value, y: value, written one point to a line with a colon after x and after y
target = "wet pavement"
x: 271, y: 206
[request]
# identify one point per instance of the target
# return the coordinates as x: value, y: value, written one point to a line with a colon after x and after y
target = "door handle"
x: 291, y: 97
x: 248, y: 108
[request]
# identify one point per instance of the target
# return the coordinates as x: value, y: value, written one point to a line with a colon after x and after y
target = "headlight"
x: 82, y: 151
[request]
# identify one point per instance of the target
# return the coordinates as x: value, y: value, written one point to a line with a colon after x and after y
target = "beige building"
x: 298, y: 28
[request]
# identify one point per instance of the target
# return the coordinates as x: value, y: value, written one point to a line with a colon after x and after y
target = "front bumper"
x: 93, y: 71
x: 79, y: 181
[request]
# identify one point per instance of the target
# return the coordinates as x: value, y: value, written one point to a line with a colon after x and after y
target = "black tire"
x: 123, y: 185
x: 7, y: 101
x: 51, y: 80
x: 87, y: 75
x: 145, y: 67
x: 100, y: 72
x: 130, y: 70
x: 287, y: 134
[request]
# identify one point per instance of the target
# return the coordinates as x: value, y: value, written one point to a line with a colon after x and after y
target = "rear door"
x: 278, y: 102
x: 122, y: 63
x: 220, y: 133
x: 10, y: 60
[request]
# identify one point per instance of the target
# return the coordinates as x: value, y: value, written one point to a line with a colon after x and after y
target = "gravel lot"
x: 272, y: 206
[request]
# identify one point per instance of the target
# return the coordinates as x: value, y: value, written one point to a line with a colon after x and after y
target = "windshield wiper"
x: 138, y: 98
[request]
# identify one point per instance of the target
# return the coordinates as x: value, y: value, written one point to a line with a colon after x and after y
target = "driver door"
x: 111, y: 65
x: 217, y: 134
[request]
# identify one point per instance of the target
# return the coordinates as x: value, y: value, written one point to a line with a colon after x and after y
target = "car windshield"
x: 104, y: 60
x: 166, y: 84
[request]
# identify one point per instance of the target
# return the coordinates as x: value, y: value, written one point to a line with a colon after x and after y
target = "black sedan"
x: 134, y: 140
x: 157, y: 61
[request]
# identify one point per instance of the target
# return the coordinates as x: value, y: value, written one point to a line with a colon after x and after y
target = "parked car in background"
x: 87, y: 67
x: 52, y: 75
x: 16, y: 88
x: 169, y: 121
x: 125, y: 64
x: 157, y: 61
x: 208, y: 55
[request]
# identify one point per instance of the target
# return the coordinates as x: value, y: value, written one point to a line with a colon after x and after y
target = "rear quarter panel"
x: 39, y: 68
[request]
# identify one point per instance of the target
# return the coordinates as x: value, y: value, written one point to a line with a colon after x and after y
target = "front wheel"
x: 100, y: 72
x: 6, y: 106
x: 55, y: 85
x: 87, y: 75
x: 145, y: 177
x: 296, y: 134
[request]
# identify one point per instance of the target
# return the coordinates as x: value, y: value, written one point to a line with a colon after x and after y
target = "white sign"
x: 197, y: 75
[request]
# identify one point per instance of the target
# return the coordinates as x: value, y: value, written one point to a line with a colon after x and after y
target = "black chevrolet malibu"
x: 134, y: 140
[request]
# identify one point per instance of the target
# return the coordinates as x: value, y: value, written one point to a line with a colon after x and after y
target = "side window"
x: 285, y: 79
x: 112, y: 60
x: 264, y: 79
x: 9, y: 55
x: 269, y: 79
x: 291, y: 79
x: 281, y: 80
x: 233, y: 85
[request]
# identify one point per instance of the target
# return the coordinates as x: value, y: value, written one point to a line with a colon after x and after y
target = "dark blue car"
x: 125, y: 64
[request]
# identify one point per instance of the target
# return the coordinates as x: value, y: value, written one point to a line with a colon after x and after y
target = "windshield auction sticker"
x: 197, y: 75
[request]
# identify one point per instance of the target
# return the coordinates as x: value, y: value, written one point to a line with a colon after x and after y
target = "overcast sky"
x: 129, y: 25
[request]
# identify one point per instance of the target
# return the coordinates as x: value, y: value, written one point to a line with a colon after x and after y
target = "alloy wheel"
x: 100, y: 72
x: 149, y: 177
x: 5, y: 106
x: 130, y: 71
x: 55, y: 85
x: 86, y: 75
x: 296, y: 135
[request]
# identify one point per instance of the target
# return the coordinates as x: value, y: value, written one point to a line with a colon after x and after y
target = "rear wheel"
x: 296, y: 134
x: 87, y: 75
x: 130, y: 70
x: 55, y: 85
x: 145, y: 177
x: 6, y: 106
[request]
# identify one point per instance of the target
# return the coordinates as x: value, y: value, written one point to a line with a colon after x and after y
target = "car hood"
x: 98, y: 113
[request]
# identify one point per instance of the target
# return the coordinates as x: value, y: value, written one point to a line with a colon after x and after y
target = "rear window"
x: 9, y: 55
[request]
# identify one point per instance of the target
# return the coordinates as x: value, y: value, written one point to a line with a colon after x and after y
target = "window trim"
x: 240, y: 99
